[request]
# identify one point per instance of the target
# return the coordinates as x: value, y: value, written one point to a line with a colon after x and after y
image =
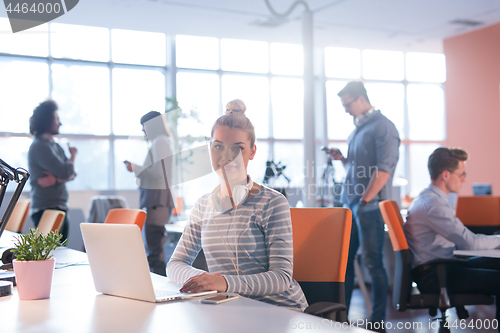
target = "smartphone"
x: 330, y: 150
x: 218, y: 299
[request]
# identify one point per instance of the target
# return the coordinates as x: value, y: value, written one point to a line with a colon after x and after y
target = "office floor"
x: 419, y: 321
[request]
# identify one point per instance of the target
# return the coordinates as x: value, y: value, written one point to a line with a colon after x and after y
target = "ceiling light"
x: 269, y: 22
x: 469, y: 23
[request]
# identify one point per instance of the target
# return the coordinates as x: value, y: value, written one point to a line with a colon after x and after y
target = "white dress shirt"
x: 433, y: 231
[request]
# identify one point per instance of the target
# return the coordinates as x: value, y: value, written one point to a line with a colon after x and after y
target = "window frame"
x: 170, y: 70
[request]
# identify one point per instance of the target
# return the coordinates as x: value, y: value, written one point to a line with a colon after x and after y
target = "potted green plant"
x: 34, y: 264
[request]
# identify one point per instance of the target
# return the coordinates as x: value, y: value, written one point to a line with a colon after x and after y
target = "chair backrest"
x: 126, y: 216
x: 19, y: 216
x: 100, y: 205
x: 321, y: 239
x: 179, y: 206
x: 401, y: 290
x: 51, y: 220
x: 479, y: 211
x: 394, y: 221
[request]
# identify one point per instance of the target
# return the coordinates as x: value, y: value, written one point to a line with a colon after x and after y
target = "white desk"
x: 176, y: 227
x: 75, y: 306
x: 7, y: 239
x: 478, y: 253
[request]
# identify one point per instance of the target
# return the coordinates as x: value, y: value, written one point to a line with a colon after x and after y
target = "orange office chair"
x: 179, y: 206
x: 481, y: 214
x: 19, y: 216
x: 51, y: 220
x: 403, y: 295
x: 126, y: 216
x: 321, y: 239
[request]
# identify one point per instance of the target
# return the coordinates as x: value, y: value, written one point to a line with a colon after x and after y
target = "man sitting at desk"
x: 433, y: 232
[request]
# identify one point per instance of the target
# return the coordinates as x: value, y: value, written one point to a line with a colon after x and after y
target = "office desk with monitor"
x: 75, y: 306
x: 495, y: 253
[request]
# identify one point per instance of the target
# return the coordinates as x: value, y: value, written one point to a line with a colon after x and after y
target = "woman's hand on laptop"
x: 204, y: 282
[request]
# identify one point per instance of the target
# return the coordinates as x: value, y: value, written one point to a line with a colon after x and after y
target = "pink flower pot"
x: 34, y: 278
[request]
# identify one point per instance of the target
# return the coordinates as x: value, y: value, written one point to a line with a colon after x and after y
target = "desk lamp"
x: 20, y: 176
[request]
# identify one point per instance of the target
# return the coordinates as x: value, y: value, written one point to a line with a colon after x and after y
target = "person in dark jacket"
x: 48, y: 165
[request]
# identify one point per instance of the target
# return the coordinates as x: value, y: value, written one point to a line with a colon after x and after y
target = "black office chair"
x: 320, y: 249
x: 404, y: 296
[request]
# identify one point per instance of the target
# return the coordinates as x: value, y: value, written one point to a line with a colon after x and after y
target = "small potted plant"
x: 33, y: 263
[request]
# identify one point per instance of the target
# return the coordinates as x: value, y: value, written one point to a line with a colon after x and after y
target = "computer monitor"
x: 481, y: 188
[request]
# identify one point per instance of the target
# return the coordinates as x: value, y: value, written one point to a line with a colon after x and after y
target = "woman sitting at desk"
x: 244, y: 228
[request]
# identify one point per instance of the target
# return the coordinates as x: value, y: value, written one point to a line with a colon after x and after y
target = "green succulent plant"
x: 37, y: 246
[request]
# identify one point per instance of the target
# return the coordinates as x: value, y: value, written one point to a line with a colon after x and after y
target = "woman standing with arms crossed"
x: 48, y: 165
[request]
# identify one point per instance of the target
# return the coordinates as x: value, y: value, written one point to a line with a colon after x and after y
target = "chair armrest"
x: 445, y: 261
x: 444, y: 298
x: 325, y: 309
x: 441, y: 268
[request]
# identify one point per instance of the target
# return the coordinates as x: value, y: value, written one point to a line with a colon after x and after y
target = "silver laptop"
x: 120, y: 267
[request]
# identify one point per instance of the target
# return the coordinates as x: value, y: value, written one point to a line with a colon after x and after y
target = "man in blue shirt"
x: 434, y: 232
x: 370, y: 164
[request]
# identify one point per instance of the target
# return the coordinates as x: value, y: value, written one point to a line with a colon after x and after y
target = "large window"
x: 105, y: 80
x: 198, y: 92
x: 267, y: 77
x: 288, y: 105
x: 100, y: 101
x: 254, y: 90
x: 138, y: 47
x: 23, y: 84
x: 34, y: 42
x: 79, y: 42
x: 135, y: 92
x: 244, y: 56
x: 82, y: 93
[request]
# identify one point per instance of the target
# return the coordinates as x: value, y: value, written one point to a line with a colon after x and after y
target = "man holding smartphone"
x: 373, y: 152
x: 153, y: 179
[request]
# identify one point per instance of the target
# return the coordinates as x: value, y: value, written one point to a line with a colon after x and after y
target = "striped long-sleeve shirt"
x: 254, y: 240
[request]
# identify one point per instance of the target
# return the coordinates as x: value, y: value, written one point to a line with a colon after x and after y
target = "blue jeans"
x: 368, y: 229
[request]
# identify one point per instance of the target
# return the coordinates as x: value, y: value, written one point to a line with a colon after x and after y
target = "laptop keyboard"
x: 165, y: 293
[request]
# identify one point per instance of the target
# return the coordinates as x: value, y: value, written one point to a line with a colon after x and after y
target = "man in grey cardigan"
x: 49, y: 167
x: 153, y: 178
